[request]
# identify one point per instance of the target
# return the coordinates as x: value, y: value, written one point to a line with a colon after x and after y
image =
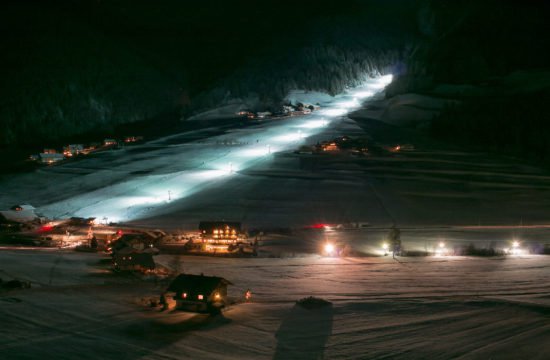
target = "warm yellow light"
x: 217, y: 296
x: 385, y: 246
x: 329, y: 248
x: 441, y: 244
x: 515, y: 244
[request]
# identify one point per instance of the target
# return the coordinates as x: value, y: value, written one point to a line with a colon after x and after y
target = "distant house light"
x: 184, y: 295
x: 200, y: 297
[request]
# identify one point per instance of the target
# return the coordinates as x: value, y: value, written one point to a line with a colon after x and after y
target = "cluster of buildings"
x: 134, y: 249
x: 50, y: 156
x: 284, y: 111
x: 345, y: 144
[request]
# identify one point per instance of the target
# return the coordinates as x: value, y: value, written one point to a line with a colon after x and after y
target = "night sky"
x: 78, y: 66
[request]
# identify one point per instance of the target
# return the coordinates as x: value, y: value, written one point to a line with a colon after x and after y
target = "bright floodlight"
x: 385, y: 246
x: 441, y: 244
x: 208, y: 174
x: 386, y: 79
x: 363, y: 94
x: 255, y: 152
x: 314, y: 124
x: 334, y: 112
x: 348, y: 104
x: 329, y: 248
x: 515, y: 244
x: 288, y: 137
x: 377, y: 85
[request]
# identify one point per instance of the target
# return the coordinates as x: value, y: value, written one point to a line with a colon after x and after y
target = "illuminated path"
x: 161, y: 175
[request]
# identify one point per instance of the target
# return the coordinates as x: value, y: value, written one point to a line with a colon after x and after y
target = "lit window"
x: 217, y: 296
x: 200, y: 297
x: 184, y: 295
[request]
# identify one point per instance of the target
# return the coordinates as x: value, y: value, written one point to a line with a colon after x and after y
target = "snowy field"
x: 464, y: 308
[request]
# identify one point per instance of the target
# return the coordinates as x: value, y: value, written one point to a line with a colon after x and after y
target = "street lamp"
x: 329, y: 248
x: 385, y: 246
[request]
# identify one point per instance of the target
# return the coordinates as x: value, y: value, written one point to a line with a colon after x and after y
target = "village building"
x: 133, y: 243
x: 287, y: 109
x: 132, y: 139
x: 134, y: 261
x: 50, y: 158
x: 330, y: 146
x: 244, y: 112
x: 19, y: 213
x: 220, y: 236
x: 220, y: 230
x: 110, y: 142
x: 73, y: 150
x: 199, y: 293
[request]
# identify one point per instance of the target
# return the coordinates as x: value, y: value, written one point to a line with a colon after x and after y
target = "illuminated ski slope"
x: 189, y: 168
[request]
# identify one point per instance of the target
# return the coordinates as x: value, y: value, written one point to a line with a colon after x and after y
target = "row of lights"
x: 441, y: 249
x: 217, y: 296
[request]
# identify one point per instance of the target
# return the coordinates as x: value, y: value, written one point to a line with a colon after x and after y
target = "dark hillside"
x: 72, y: 66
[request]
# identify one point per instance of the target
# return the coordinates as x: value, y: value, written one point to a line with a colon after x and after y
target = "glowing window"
x: 200, y: 297
x: 184, y: 295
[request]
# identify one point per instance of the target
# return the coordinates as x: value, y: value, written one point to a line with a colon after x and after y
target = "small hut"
x: 199, y: 293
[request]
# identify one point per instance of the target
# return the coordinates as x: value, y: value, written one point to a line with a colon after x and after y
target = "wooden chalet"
x: 199, y: 293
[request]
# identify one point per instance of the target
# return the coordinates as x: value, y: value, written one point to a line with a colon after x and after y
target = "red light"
x: 119, y: 232
x: 46, y: 228
x: 317, y: 226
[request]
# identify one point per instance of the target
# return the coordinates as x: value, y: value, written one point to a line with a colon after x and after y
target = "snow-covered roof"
x: 23, y: 215
x: 22, y: 207
x: 199, y: 283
